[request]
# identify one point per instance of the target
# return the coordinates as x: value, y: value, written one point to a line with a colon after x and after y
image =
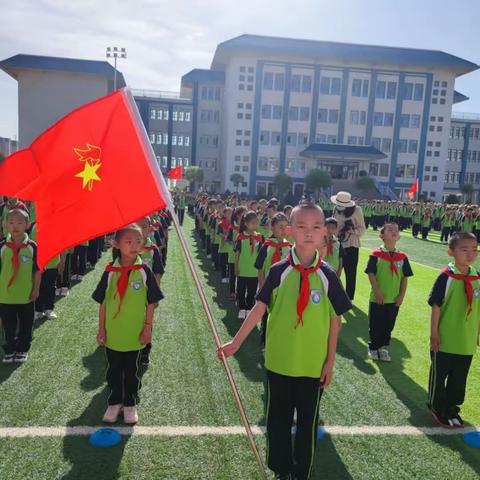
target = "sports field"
x: 370, y: 409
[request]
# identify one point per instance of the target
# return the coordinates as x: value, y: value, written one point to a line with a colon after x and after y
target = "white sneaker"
x: 130, y: 415
x: 247, y: 312
x: 38, y: 315
x: 74, y: 277
x: 373, y: 354
x: 21, y: 357
x: 242, y: 314
x: 57, y: 292
x: 8, y: 358
x: 64, y: 292
x: 50, y: 314
x: 225, y: 280
x: 383, y: 355
x: 209, y: 255
x: 112, y: 412
x: 79, y: 277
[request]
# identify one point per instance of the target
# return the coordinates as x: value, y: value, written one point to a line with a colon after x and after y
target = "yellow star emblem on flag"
x: 91, y: 157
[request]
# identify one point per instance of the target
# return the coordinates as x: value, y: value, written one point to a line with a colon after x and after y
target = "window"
x: 330, y: 86
x: 407, y: 91
x: 238, y: 132
x: 165, y: 115
x: 322, y: 115
x: 248, y: 116
x: 331, y: 139
x: 418, y: 92
x: 412, y: 146
x: 439, y: 128
x: 246, y: 158
x: 360, y: 88
x: 264, y: 138
x: 186, y: 141
x: 426, y: 178
x: 373, y: 170
x: 442, y: 101
x: 410, y: 171
x: 180, y: 140
x: 400, y: 172
x: 248, y: 106
x: 152, y: 138
x: 292, y: 139
x: 244, y: 168
x: 152, y: 114
x: 240, y: 116
x: 352, y: 140
x: 378, y: 118
x: 404, y: 120
x: 304, y: 114
x: 160, y: 139
x: 306, y: 83
x: 388, y: 120
x: 279, y: 83
x: 444, y: 84
x: 250, y: 70
x: 333, y: 116
x: 293, y: 113
x: 443, y: 93
x: 175, y: 115
x: 335, y: 86
x: 414, y: 121
x: 241, y: 86
x: 250, y: 78
x: 181, y: 116
x: 266, y: 111
x: 391, y: 90
x: 237, y: 168
x: 277, y: 112
x: 164, y: 162
x: 268, y: 81
x: 436, y: 154
x: 187, y: 116
x: 384, y: 168
x: 275, y: 138
x: 429, y: 153
x: 237, y: 158
x: 173, y: 162
x: 295, y: 83
x: 386, y: 145
x: 436, y: 83
x: 402, y: 146
x: 354, y: 117
x: 376, y: 142
x: 242, y: 69
x: 380, y: 89
x: 321, y: 138
x: 302, y: 139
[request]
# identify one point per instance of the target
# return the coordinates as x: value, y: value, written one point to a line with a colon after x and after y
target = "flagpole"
x: 196, y: 279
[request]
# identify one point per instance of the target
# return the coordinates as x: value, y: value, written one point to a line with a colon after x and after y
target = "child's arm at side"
x: 434, y: 334
x: 327, y: 370
x: 261, y: 278
x: 255, y: 315
x: 37, y: 277
x: 403, y: 289
x: 101, y: 335
x: 146, y: 335
x: 237, y: 256
x: 379, y: 297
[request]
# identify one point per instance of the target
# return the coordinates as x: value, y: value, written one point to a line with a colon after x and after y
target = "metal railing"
x: 158, y: 94
x: 465, y: 116
x: 385, y: 190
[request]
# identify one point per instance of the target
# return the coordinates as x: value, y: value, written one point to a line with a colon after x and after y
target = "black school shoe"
x: 442, y: 420
x: 288, y: 476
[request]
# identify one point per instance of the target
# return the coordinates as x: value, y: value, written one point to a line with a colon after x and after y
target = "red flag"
x: 175, y: 173
x: 413, y: 190
x: 90, y: 173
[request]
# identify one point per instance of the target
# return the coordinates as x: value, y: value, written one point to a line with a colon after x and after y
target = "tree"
x: 452, y: 199
x: 365, y: 183
x: 236, y: 179
x: 317, y: 180
x: 467, y: 190
x: 194, y: 174
x: 283, y: 183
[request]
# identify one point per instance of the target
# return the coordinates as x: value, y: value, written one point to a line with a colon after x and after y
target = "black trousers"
x: 246, y: 290
x: 94, y: 251
x: 350, y: 262
x: 215, y: 261
x: 447, y: 382
x: 284, y: 396
x: 232, y: 278
x: 63, y: 279
x: 367, y: 222
x: 181, y: 215
x: 46, y: 297
x: 208, y: 244
x: 445, y: 233
x: 79, y: 260
x: 415, y: 229
x: 381, y: 321
x: 425, y: 231
x: 223, y: 262
x: 123, y: 377
x: 17, y: 323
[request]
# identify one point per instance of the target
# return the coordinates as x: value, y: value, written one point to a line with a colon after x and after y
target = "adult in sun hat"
x: 351, y: 226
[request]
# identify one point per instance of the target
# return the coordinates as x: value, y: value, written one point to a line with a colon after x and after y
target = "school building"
x: 8, y: 146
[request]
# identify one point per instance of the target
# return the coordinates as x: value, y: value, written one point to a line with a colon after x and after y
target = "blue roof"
x: 75, y: 65
x: 345, y: 52
x: 204, y: 75
x: 339, y: 150
x: 459, y: 97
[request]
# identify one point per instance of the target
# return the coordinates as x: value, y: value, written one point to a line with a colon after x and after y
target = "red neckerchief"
x: 122, y: 282
x: 225, y: 226
x: 426, y: 215
x: 149, y: 248
x: 387, y: 256
x: 252, y: 238
x: 15, y: 259
x: 304, y: 295
x: 467, y: 282
x: 277, y: 254
x: 330, y: 243
x: 234, y: 227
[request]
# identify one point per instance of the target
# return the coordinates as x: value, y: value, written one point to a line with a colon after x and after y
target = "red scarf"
x: 392, y: 259
x: 304, y: 296
x: 149, y: 248
x: 225, y: 226
x: 330, y: 244
x: 252, y: 238
x: 15, y: 259
x: 467, y: 282
x: 277, y: 254
x: 122, y: 282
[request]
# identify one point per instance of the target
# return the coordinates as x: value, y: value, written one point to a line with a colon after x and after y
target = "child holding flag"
x: 454, y: 331
x: 305, y: 300
x: 388, y: 270
x: 127, y: 294
x: 19, y: 286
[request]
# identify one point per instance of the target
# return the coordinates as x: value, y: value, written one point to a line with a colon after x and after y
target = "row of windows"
x: 177, y: 115
x: 243, y: 132
x: 210, y: 93
x: 324, y: 138
x: 326, y: 115
x: 209, y: 164
x: 429, y: 178
x: 435, y: 101
x: 210, y: 140
x: 274, y: 138
x: 241, y: 116
x: 244, y: 69
x: 405, y: 171
x: 384, y: 119
x: 243, y: 168
x: 432, y: 128
x: 245, y: 78
x: 301, y: 83
x: 210, y: 116
x: 238, y: 158
x: 242, y: 105
x: 383, y: 144
x: 452, y: 177
x: 241, y: 86
x: 360, y: 87
x: 162, y: 139
x: 431, y: 144
x: 175, y: 161
x: 434, y: 153
x: 459, y: 132
x: 358, y: 117
x: 454, y: 155
x: 268, y: 164
x: 471, y: 177
x: 436, y: 119
x: 407, y: 146
x: 379, y: 169
x: 239, y: 143
x: 436, y: 83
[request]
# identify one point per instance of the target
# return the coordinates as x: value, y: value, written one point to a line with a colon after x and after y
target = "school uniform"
x: 124, y: 322
x: 295, y: 353
x: 458, y: 330
x: 389, y: 269
x: 231, y: 240
x: 334, y: 253
x: 79, y: 259
x: 180, y: 208
x: 247, y: 246
x: 17, y: 269
x: 426, y: 224
x: 447, y: 222
x: 225, y: 248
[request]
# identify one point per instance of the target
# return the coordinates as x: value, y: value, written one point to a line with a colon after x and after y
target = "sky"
x: 166, y: 39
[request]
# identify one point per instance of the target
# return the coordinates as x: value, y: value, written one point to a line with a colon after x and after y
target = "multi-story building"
x: 276, y: 104
x: 168, y: 119
x: 462, y: 165
x: 8, y: 146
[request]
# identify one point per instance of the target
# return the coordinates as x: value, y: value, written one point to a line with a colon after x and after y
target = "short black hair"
x: 458, y: 237
x: 331, y: 221
x: 303, y: 206
x: 277, y: 218
x: 382, y: 230
x: 20, y: 212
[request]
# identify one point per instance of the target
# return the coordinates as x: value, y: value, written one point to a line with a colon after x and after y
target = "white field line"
x: 196, y: 431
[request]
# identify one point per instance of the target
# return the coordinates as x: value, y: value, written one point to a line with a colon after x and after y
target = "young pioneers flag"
x: 175, y: 173
x: 89, y: 174
x: 413, y: 190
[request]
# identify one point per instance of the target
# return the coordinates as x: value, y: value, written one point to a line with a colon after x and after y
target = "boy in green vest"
x: 19, y: 286
x: 333, y: 248
x: 454, y: 331
x: 305, y: 300
x: 387, y: 270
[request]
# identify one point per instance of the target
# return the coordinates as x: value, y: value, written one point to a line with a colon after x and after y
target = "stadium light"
x: 115, y: 52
